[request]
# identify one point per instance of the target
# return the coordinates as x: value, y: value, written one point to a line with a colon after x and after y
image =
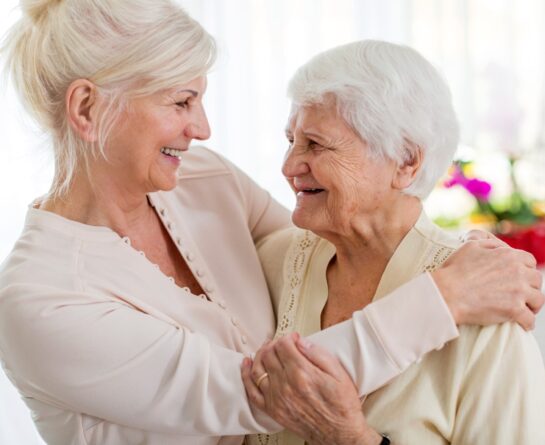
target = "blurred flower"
x: 514, y: 208
x: 479, y: 189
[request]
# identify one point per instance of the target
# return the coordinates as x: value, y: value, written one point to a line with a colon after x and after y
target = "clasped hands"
x: 307, y: 390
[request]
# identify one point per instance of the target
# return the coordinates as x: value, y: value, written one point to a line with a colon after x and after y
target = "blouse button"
x: 126, y: 240
x: 208, y: 288
x: 234, y: 321
x: 162, y: 212
x: 178, y: 241
x: 200, y: 272
x: 169, y: 226
x: 222, y: 304
x: 171, y: 279
x: 188, y: 256
x: 244, y: 339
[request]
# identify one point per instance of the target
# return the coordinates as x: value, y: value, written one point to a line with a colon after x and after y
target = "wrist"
x: 441, y: 279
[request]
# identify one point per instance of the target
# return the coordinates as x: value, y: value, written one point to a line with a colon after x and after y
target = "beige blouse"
x: 486, y: 387
x: 105, y: 349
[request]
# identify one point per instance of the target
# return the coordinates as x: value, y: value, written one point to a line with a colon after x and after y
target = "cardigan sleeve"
x: 107, y: 359
x: 502, y: 395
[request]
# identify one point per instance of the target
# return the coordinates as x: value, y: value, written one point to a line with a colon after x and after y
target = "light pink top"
x: 105, y: 349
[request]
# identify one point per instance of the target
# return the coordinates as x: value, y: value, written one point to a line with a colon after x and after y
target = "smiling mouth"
x: 310, y: 191
x: 173, y: 152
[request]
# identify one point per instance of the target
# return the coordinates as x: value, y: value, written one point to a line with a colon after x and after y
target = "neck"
x: 363, y: 253
x: 100, y: 201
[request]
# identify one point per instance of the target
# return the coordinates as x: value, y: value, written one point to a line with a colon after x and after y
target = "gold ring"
x: 261, y: 378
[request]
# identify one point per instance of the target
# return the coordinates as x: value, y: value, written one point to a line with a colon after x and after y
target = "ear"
x: 406, y: 172
x: 82, y: 103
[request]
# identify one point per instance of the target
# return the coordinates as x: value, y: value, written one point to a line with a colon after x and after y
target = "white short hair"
x: 390, y: 95
x: 127, y: 48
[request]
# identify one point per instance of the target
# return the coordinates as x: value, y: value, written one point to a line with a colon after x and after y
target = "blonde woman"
x: 135, y: 290
x: 372, y: 129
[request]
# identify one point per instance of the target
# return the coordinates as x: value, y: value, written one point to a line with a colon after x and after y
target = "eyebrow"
x: 312, y: 135
x: 192, y: 92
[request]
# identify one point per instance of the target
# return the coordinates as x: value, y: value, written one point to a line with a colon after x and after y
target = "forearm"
x: 385, y: 338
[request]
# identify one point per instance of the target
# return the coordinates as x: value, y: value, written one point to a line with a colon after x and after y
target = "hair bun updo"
x: 36, y: 9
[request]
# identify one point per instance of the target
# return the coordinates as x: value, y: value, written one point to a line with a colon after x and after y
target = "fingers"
x: 321, y: 358
x: 254, y: 394
x: 526, y: 319
x: 535, y: 300
x: 477, y: 235
x: 288, y: 355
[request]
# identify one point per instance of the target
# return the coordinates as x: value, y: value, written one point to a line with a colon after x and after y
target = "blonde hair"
x: 127, y: 48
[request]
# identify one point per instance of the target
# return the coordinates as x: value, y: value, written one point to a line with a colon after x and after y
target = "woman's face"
x: 145, y: 148
x: 336, y: 180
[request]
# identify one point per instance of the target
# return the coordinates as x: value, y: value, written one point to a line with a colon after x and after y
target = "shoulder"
x: 201, y: 162
x: 496, y: 345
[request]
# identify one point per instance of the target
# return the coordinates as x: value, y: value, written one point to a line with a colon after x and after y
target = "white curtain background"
x: 492, y: 53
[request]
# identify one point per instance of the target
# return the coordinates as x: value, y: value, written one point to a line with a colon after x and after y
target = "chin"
x: 302, y: 219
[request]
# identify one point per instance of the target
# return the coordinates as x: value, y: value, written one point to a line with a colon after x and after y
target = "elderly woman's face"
x: 145, y: 148
x: 336, y: 180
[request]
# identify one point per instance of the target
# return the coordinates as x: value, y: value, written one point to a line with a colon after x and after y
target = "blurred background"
x: 491, y: 52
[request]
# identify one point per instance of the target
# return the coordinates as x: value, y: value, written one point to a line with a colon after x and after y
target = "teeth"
x: 172, y: 152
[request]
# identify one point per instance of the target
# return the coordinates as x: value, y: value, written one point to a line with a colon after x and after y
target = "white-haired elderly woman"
x: 134, y: 291
x: 371, y: 130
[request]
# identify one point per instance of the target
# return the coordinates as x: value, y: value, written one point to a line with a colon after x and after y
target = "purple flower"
x: 479, y: 189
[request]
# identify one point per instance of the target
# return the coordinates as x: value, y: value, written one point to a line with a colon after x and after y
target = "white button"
x: 208, y: 288
x: 156, y: 266
x: 178, y: 241
x: 126, y: 240
x: 169, y: 226
x: 188, y: 256
x: 222, y: 304
x: 171, y: 279
x: 200, y: 272
x: 234, y: 321
x: 203, y: 296
x: 162, y: 212
x: 141, y: 253
x: 244, y: 339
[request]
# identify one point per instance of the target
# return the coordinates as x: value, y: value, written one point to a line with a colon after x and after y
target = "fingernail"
x: 304, y: 343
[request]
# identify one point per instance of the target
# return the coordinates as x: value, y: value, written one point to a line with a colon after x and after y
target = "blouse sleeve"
x: 379, y: 342
x: 106, y: 359
x: 502, y: 395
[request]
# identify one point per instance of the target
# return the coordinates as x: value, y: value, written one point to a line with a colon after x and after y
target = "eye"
x: 183, y: 104
x: 315, y: 146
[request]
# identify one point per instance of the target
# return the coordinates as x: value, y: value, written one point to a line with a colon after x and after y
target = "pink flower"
x: 479, y: 189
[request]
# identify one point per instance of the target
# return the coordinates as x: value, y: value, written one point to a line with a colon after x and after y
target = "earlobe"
x: 406, y: 171
x: 81, y: 108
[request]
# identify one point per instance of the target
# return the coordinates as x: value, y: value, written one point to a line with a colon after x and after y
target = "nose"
x: 294, y: 163
x: 199, y: 128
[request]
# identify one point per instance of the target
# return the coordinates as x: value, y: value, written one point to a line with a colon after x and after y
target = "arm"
x: 108, y: 360
x: 379, y: 342
x: 265, y: 214
x: 502, y: 394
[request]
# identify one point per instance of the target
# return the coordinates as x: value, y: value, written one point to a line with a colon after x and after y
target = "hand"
x: 308, y: 391
x: 485, y: 282
x: 477, y: 235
